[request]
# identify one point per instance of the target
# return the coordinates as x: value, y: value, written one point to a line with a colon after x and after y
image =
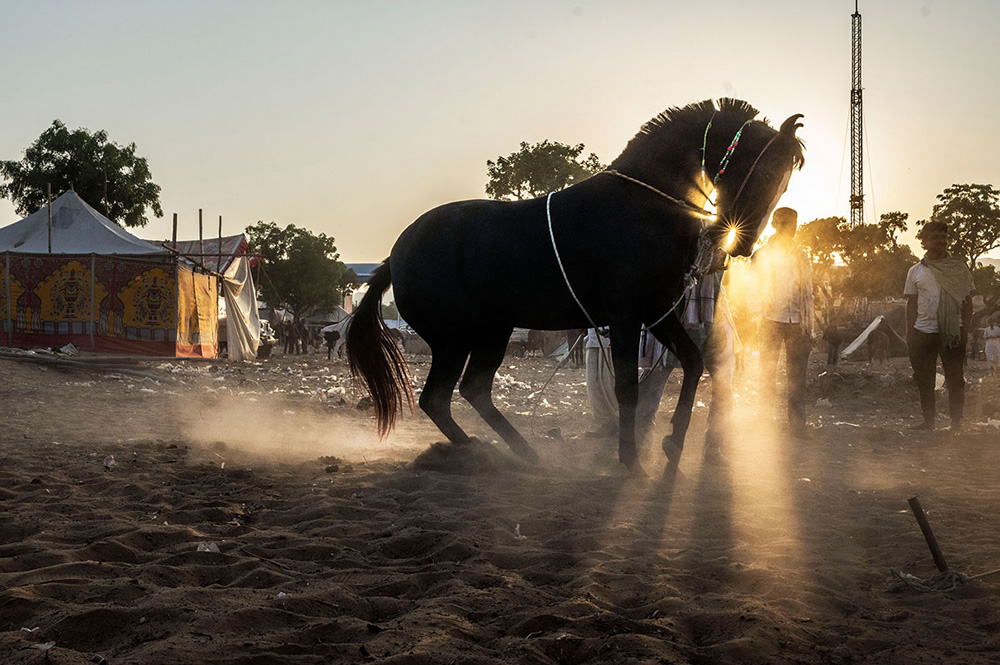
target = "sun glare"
x: 727, y: 244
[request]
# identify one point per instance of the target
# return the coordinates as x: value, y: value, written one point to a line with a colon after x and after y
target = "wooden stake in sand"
x: 925, y: 528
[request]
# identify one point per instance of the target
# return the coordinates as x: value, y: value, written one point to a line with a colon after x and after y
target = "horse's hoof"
x: 672, y: 449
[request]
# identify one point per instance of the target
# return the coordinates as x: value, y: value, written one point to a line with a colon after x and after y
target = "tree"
x: 892, y: 223
x: 863, y: 262
x: 822, y: 241
x: 878, y: 263
x: 302, y: 271
x: 987, y: 282
x: 536, y: 170
x: 106, y: 175
x: 973, y: 218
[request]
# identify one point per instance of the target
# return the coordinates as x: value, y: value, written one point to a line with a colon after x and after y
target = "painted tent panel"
x: 197, y: 314
x: 51, y: 300
x: 138, y: 311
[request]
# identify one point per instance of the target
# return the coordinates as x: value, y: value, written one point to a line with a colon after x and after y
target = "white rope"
x: 552, y: 235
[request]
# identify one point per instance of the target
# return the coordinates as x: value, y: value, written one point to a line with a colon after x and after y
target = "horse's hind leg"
x: 435, y: 400
x: 477, y: 388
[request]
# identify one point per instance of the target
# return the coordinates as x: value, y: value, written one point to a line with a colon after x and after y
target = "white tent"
x: 76, y: 229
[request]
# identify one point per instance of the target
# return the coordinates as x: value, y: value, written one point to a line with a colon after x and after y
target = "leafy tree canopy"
x: 108, y: 176
x: 536, y: 170
x: 302, y: 271
x: 876, y: 264
x: 973, y: 216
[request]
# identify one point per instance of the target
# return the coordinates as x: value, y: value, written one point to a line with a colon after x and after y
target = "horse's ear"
x: 789, y: 126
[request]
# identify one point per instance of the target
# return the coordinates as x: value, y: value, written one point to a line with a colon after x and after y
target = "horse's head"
x: 754, y: 177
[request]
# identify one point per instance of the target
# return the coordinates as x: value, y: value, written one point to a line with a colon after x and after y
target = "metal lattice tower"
x: 857, y: 180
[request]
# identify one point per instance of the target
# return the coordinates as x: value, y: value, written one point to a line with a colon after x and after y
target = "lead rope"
x: 690, y: 277
x: 562, y: 269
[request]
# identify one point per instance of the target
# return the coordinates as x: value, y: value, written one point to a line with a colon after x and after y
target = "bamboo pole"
x: 201, y: 235
x: 218, y: 260
x: 93, y: 301
x: 50, y: 216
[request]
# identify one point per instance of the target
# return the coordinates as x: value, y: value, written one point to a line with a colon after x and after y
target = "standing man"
x: 784, y: 275
x: 938, y: 294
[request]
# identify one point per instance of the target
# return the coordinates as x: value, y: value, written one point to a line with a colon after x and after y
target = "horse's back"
x: 468, y: 258
x: 492, y: 263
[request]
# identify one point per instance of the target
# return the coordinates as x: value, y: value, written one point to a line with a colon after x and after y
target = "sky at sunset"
x: 353, y: 118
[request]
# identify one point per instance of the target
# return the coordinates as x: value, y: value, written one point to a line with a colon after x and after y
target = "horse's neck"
x: 676, y: 176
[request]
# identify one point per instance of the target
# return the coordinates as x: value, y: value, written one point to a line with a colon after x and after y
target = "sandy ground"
x: 251, y: 515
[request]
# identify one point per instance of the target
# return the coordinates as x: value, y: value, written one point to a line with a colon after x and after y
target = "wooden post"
x: 201, y: 240
x: 218, y: 257
x: 6, y: 286
x: 173, y: 237
x: 925, y: 528
x: 93, y: 300
x: 50, y: 217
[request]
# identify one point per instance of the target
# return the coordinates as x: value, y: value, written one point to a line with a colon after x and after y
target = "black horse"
x: 618, y: 249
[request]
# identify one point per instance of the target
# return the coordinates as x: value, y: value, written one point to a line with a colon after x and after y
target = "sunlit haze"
x: 353, y: 118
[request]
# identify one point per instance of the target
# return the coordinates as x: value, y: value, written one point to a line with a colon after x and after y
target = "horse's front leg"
x: 672, y: 334
x: 624, y: 356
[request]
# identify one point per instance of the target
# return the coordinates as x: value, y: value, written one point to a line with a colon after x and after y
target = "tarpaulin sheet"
x: 197, y: 314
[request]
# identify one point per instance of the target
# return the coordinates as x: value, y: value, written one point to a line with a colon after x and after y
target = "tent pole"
x: 218, y: 257
x: 201, y: 237
x: 50, y: 216
x: 93, y: 299
x: 10, y: 325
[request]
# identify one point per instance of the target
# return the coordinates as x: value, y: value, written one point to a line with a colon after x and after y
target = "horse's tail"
x: 373, y: 356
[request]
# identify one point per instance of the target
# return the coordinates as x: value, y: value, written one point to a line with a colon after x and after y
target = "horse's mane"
x: 659, y: 132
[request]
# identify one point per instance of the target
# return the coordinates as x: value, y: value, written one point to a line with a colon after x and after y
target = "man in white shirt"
x: 784, y: 276
x: 938, y: 294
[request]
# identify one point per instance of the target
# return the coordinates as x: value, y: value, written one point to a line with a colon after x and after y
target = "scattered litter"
x: 30, y: 630
x: 43, y: 647
x: 806, y: 480
x: 517, y: 532
x: 824, y: 403
x: 109, y: 462
x: 282, y: 594
x: 70, y: 350
x: 209, y: 547
x: 841, y: 422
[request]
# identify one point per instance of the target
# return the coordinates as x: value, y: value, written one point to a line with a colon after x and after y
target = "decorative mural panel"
x: 65, y: 293
x: 121, y: 305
